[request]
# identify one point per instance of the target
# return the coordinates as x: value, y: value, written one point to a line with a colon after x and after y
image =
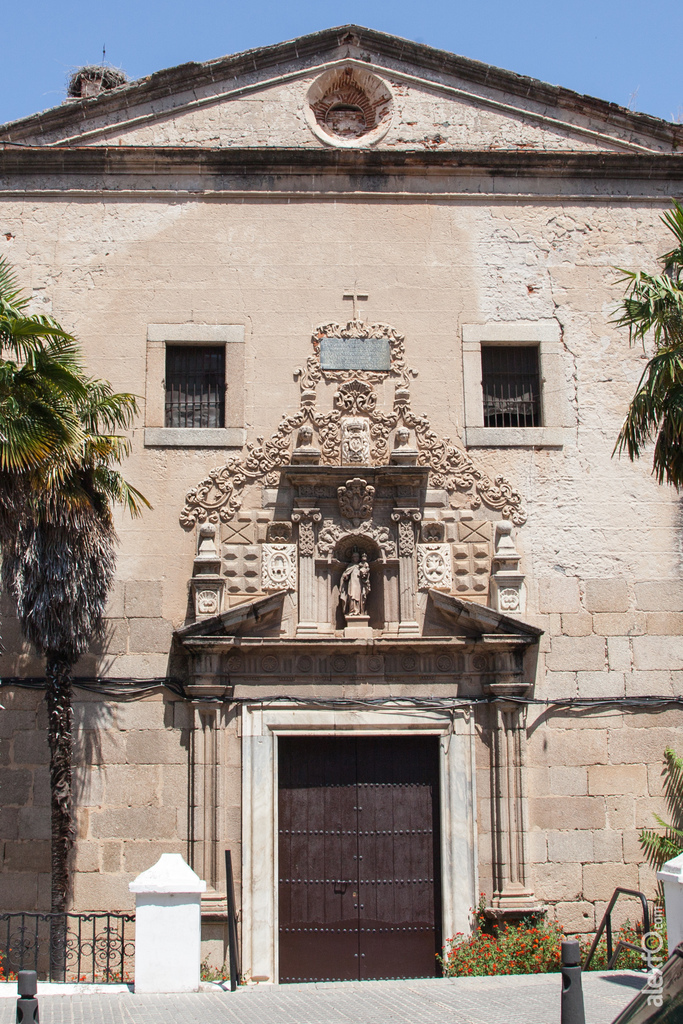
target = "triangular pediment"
x: 477, y: 621
x: 246, y: 618
x: 407, y: 95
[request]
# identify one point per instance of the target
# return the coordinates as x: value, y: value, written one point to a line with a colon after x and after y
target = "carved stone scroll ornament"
x: 331, y: 534
x: 219, y: 496
x: 356, y: 500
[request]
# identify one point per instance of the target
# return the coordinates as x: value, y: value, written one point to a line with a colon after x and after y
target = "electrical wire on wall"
x: 135, y: 689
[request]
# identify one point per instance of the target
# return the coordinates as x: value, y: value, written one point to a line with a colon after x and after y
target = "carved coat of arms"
x: 356, y: 500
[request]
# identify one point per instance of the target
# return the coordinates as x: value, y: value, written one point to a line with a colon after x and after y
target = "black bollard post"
x: 572, y: 992
x: 27, y: 1004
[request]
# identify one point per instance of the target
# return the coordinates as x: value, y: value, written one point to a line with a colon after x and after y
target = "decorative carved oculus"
x: 349, y: 107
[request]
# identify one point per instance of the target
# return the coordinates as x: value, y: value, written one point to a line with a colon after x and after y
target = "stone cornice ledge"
x: 287, y: 162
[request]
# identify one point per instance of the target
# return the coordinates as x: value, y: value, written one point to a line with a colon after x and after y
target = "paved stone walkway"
x: 525, y: 999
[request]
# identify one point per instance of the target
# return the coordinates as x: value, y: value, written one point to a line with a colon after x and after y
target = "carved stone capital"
x: 406, y: 514
x: 406, y: 519
x: 304, y: 515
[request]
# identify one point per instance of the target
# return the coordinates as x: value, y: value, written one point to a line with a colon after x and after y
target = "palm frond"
x: 673, y: 785
x: 659, y: 847
x: 9, y: 285
x: 653, y: 306
x: 673, y: 219
x: 103, y: 410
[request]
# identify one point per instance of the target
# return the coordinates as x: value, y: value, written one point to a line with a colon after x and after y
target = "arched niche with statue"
x: 357, y: 565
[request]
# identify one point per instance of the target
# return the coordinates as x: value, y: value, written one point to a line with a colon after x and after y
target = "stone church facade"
x: 392, y: 569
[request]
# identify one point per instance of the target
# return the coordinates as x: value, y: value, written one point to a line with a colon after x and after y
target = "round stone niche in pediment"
x: 349, y: 107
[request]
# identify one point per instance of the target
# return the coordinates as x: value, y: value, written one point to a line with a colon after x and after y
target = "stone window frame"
x: 233, y: 434
x: 556, y: 416
x: 261, y: 727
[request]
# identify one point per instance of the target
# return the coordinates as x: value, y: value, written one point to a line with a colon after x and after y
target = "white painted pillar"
x: 672, y: 877
x: 168, y: 926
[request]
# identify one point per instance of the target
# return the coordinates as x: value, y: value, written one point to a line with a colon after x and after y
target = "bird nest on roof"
x: 104, y: 76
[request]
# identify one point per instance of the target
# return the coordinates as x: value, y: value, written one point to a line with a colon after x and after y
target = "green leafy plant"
x: 60, y: 449
x: 511, y: 949
x: 628, y: 959
x: 659, y: 847
x: 654, y: 305
x: 528, y: 948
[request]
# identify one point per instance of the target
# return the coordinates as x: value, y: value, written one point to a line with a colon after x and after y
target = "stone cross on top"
x: 355, y: 296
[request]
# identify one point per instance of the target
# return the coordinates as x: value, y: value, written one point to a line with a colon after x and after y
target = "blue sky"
x: 619, y: 50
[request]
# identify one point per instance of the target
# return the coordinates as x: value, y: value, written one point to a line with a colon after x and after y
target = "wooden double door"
x: 359, y: 871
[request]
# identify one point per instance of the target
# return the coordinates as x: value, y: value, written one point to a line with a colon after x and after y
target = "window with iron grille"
x: 511, y: 385
x: 195, y: 386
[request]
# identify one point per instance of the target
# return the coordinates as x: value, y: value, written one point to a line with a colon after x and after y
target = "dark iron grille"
x: 511, y: 384
x: 94, y: 948
x: 195, y: 386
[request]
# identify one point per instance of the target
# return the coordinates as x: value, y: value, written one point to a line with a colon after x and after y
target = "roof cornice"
x: 304, y: 49
x: 158, y: 161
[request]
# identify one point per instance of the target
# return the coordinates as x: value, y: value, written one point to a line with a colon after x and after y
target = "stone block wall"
x: 130, y: 788
x: 594, y: 778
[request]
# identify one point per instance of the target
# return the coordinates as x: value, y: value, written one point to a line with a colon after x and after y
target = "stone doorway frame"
x: 261, y: 726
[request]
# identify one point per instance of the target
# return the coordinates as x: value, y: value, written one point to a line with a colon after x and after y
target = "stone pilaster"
x: 512, y: 897
x: 205, y: 796
x: 406, y: 518
x: 308, y: 619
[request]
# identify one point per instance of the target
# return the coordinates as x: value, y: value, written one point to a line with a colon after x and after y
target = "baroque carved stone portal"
x: 355, y: 431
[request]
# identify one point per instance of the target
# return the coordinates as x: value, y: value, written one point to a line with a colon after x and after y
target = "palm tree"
x: 654, y: 303
x: 39, y: 383
x: 58, y: 482
x: 659, y: 847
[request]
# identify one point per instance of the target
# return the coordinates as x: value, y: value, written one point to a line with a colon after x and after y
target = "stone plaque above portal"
x: 355, y: 354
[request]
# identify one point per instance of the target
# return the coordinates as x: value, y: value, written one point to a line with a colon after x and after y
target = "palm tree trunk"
x: 60, y: 720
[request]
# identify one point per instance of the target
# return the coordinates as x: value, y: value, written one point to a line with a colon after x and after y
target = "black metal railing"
x: 68, y: 947
x: 606, y: 925
x: 233, y: 941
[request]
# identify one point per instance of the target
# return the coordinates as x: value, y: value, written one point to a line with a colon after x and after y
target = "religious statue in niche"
x: 354, y: 585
